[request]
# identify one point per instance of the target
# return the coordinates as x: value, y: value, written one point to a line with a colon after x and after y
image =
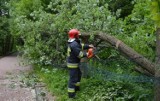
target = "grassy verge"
x: 93, y: 89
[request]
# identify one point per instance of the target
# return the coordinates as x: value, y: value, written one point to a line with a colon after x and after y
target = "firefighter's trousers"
x: 74, y: 81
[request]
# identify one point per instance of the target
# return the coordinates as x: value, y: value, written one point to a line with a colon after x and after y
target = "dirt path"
x: 11, y: 88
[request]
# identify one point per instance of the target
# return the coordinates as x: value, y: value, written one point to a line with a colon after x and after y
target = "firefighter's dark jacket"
x: 75, y: 52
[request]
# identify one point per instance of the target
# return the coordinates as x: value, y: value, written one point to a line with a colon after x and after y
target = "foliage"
x: 44, y: 34
x: 138, y: 30
x: 93, y: 89
x: 155, y: 12
x: 6, y: 43
x: 3, y: 31
x: 125, y: 6
x: 43, y: 26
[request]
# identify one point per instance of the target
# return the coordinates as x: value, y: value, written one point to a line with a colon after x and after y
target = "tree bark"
x: 126, y: 51
x: 142, y: 71
x: 157, y: 68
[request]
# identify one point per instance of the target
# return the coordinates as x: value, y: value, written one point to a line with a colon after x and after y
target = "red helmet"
x: 73, y: 33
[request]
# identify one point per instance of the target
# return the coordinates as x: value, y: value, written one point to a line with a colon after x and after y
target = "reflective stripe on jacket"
x: 74, y: 53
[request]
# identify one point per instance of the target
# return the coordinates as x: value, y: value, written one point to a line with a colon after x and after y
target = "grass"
x: 92, y: 89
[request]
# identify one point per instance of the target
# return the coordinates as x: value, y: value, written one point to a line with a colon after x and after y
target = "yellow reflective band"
x: 80, y: 54
x: 68, y: 51
x: 70, y: 65
x: 71, y: 90
x: 82, y: 46
x: 77, y: 84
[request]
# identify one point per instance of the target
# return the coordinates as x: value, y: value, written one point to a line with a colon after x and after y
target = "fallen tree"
x: 126, y: 51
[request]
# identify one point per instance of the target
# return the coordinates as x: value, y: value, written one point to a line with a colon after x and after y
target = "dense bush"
x: 125, y: 6
x: 43, y: 26
x: 139, y: 29
x: 45, y: 34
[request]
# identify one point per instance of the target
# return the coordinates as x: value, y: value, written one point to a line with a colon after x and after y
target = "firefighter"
x: 74, y: 54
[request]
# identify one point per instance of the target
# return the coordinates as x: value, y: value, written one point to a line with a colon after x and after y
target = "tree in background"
x: 6, y: 40
x: 126, y: 7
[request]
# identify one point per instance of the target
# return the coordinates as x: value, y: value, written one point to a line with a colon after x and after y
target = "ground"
x: 11, y: 86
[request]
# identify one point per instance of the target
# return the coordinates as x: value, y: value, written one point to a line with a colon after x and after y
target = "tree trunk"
x: 142, y: 71
x: 126, y: 50
x: 157, y: 68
